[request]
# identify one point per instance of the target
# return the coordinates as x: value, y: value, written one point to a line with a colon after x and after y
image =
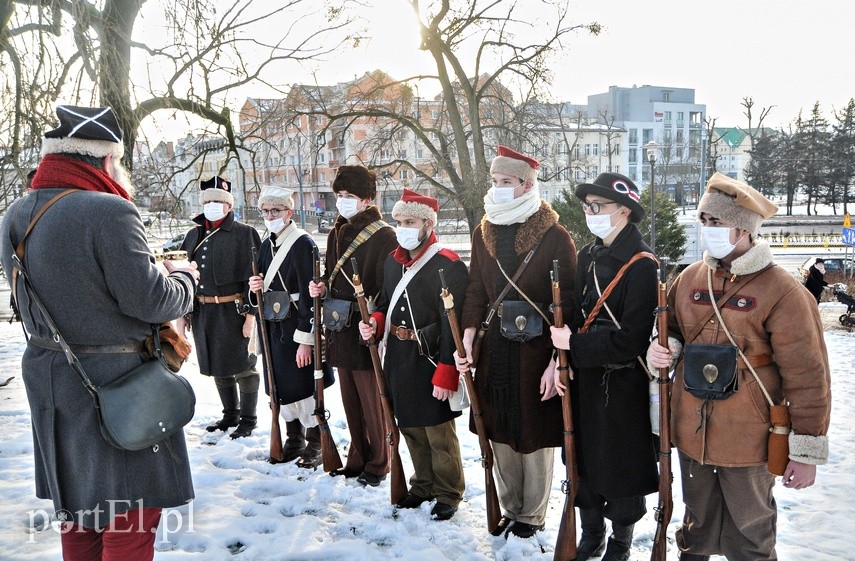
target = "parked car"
x: 175, y: 243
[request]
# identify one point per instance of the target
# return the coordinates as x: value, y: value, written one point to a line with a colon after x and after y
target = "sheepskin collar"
x: 529, y: 235
x: 753, y: 260
x: 360, y: 221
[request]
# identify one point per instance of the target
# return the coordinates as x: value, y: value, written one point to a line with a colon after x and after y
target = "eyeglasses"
x: 594, y: 208
x: 273, y: 212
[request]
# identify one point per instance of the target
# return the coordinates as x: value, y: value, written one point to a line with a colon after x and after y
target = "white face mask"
x: 214, y: 211
x: 348, y: 208
x: 274, y: 225
x: 408, y: 238
x: 821, y: 268
x: 717, y: 241
x: 600, y: 224
x: 503, y: 194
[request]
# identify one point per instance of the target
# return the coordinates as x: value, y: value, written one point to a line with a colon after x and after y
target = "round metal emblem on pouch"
x: 520, y: 322
x: 710, y: 372
x: 276, y: 307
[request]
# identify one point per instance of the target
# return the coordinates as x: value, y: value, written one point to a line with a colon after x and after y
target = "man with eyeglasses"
x: 514, y: 368
x: 615, y: 447
x: 221, y: 322
x: 285, y: 265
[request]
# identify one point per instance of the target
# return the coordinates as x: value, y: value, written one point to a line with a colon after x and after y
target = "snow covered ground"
x: 247, y: 509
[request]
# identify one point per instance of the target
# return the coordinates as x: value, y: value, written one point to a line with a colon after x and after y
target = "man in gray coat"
x: 88, y: 260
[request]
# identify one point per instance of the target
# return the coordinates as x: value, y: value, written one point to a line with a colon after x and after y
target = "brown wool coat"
x: 772, y: 315
x: 345, y: 348
x: 541, y: 421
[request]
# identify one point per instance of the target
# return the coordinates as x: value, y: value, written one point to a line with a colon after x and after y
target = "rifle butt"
x: 277, y: 452
x: 494, y: 511
x: 565, y: 545
x: 329, y: 452
x: 399, y: 483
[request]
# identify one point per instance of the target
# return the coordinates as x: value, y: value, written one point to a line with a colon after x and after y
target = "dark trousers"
x: 730, y: 511
x: 369, y: 449
x: 437, y: 465
x: 624, y: 511
x: 129, y: 537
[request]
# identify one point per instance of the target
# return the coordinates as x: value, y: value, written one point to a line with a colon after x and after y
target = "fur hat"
x: 615, y: 187
x: 216, y: 189
x: 417, y: 206
x: 90, y: 131
x: 273, y: 195
x: 358, y: 180
x: 511, y: 162
x: 735, y: 202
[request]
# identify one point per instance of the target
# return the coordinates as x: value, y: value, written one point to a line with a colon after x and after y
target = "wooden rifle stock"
x: 565, y: 545
x: 665, y: 507
x: 494, y: 513
x: 277, y: 453
x: 329, y: 452
x: 398, y: 482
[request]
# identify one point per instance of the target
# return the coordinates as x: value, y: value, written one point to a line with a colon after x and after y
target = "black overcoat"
x: 292, y: 383
x: 410, y: 376
x: 614, y: 443
x: 224, y: 260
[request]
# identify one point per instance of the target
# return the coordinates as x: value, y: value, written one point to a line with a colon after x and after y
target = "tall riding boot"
x: 231, y: 413
x: 593, y: 540
x: 619, y: 543
x: 311, y: 457
x: 248, y: 401
x: 295, y: 440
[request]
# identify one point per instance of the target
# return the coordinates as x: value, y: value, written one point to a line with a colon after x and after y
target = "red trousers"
x: 129, y: 537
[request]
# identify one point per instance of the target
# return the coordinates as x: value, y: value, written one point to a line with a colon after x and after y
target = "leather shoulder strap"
x: 611, y: 286
x: 19, y: 250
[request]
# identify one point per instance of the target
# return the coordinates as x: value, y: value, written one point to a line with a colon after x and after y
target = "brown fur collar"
x: 529, y: 234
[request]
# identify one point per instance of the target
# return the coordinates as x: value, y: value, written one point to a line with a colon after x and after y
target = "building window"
x: 633, y: 136
x: 633, y: 156
x: 577, y: 152
x: 321, y: 157
x: 420, y: 154
x: 646, y: 136
x: 405, y: 174
x: 577, y: 175
x: 633, y: 173
x: 680, y: 119
x: 617, y: 169
x: 667, y: 117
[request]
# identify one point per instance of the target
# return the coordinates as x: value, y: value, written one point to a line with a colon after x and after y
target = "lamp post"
x: 651, y: 148
x: 300, y: 182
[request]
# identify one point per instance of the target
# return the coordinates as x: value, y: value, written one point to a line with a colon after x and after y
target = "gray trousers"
x: 438, y: 467
x: 523, y: 482
x: 730, y: 511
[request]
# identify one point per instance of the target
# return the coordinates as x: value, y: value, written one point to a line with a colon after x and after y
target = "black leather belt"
x: 51, y: 345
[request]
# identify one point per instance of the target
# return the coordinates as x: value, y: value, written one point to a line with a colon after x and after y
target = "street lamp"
x: 651, y: 148
x: 300, y: 182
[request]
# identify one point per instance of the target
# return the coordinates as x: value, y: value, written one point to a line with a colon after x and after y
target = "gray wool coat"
x: 89, y: 261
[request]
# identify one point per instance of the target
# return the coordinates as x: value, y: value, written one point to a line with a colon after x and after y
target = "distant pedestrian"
x: 815, y: 282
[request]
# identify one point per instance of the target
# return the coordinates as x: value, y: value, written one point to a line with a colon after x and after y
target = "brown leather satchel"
x: 175, y: 347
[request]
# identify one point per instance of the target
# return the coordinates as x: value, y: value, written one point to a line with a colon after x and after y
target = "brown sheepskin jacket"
x: 774, y: 320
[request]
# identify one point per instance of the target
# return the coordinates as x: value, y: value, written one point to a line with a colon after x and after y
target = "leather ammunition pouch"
x: 277, y: 305
x: 710, y: 371
x: 336, y: 313
x: 429, y: 340
x: 519, y: 321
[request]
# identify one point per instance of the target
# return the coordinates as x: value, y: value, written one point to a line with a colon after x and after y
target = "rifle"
x: 565, y: 546
x: 398, y: 483
x: 329, y: 452
x: 277, y: 454
x: 665, y: 507
x: 493, y: 510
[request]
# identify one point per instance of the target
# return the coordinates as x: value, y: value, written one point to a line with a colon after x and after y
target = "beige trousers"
x: 523, y: 482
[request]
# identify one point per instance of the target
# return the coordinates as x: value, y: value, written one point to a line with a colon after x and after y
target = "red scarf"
x: 57, y: 171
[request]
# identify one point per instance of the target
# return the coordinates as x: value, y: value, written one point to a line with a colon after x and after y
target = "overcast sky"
x: 780, y: 52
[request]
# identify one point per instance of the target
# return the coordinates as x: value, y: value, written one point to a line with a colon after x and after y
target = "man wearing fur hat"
x: 88, y: 260
x: 221, y: 321
x: 286, y: 266
x: 419, y: 361
x: 358, y: 232
x: 774, y: 323
x: 615, y: 448
x: 514, y: 370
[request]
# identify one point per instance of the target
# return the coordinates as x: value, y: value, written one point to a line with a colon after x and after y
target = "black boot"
x: 593, y: 540
x: 619, y: 543
x: 248, y: 401
x: 231, y: 413
x: 311, y: 457
x: 295, y: 440
x: 684, y: 556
